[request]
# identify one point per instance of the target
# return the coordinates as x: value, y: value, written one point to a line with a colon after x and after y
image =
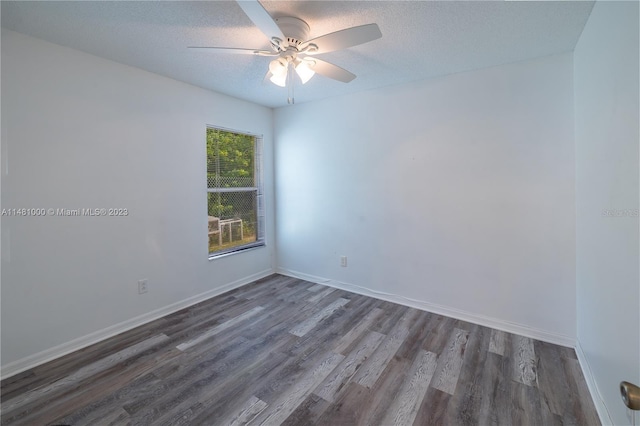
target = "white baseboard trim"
x: 596, y: 396
x: 50, y: 354
x: 520, y: 329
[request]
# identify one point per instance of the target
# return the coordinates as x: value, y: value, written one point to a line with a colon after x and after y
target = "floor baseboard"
x: 598, y: 401
x: 520, y: 329
x: 50, y: 354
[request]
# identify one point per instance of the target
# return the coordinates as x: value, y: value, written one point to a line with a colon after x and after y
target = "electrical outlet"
x: 142, y: 286
x: 343, y: 261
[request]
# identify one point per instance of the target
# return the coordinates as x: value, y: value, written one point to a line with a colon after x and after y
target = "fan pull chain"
x: 290, y: 81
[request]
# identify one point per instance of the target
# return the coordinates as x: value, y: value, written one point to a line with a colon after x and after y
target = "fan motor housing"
x: 296, y: 30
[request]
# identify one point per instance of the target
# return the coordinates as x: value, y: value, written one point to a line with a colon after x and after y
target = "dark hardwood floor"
x: 286, y: 351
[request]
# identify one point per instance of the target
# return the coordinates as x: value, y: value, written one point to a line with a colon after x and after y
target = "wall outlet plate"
x: 142, y: 286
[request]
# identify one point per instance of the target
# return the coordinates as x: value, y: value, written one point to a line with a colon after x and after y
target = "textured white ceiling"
x: 420, y: 39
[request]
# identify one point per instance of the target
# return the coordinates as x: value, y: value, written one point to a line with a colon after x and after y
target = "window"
x: 234, y: 191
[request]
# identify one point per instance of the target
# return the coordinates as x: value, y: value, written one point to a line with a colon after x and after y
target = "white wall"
x: 454, y: 194
x: 607, y: 265
x: 79, y: 131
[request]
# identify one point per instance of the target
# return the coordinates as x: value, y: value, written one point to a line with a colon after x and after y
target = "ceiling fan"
x: 293, y: 50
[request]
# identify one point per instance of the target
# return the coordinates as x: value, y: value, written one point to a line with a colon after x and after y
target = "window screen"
x: 235, y: 212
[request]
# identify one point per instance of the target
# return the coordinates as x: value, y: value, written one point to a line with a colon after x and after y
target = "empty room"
x: 320, y: 213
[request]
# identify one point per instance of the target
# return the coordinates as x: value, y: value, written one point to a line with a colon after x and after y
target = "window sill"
x: 253, y: 246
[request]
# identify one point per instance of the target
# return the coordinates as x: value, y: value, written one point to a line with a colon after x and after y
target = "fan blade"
x: 261, y: 18
x: 332, y: 71
x: 343, y: 39
x: 234, y: 50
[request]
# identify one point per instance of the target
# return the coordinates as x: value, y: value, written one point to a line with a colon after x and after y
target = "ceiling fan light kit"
x: 278, y: 72
x: 289, y: 41
x: 279, y: 68
x: 305, y: 71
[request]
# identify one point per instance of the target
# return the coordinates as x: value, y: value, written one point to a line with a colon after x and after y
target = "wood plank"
x: 83, y: 373
x: 359, y: 405
x: 524, y: 361
x: 450, y: 362
x: 525, y: 409
x: 305, y: 351
x: 219, y: 328
x: 316, y: 287
x: 307, y: 325
x: 439, y: 334
x: 375, y: 365
x: 197, y: 321
x: 216, y: 384
x: 419, y: 331
x: 277, y: 412
x: 20, y: 383
x: 404, y: 408
x: 434, y: 409
x: 249, y: 411
x: 319, y: 295
x: 354, y: 334
x: 466, y: 402
x: 329, y: 388
x: 393, y: 314
x: 495, y: 407
x: 222, y: 397
x: 497, y: 343
x: 185, y: 377
x: 183, y: 418
x: 117, y: 417
x: 100, y: 409
x: 315, y: 343
x: 308, y: 412
x: 295, y: 294
x: 97, y: 388
x: 552, y: 379
x: 381, y: 394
